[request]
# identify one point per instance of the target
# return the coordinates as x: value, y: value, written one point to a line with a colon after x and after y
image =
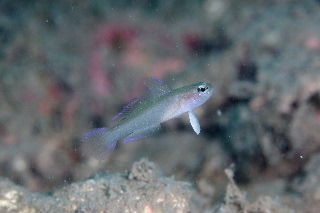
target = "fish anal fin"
x: 142, y: 134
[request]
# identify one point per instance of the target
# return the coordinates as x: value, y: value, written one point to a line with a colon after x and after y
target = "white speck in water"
x: 47, y: 20
x: 301, y: 156
x: 219, y: 113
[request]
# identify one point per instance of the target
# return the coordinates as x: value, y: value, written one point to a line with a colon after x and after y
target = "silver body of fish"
x: 142, y: 118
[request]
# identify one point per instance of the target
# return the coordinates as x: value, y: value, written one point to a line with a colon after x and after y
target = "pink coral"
x: 115, y: 38
x: 312, y: 43
x: 100, y: 83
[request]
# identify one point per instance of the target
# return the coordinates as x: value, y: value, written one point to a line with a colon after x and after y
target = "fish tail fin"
x: 99, y: 142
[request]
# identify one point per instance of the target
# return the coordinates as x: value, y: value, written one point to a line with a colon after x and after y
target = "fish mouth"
x: 210, y: 87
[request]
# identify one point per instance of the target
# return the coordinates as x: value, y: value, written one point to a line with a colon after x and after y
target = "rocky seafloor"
x: 142, y: 189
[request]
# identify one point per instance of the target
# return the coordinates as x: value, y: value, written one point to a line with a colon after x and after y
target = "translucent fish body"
x: 142, y: 118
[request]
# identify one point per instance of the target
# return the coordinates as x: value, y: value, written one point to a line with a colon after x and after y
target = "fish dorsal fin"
x: 126, y: 110
x: 157, y: 87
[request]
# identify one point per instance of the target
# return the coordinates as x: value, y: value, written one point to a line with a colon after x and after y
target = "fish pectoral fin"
x: 142, y: 134
x: 194, y: 122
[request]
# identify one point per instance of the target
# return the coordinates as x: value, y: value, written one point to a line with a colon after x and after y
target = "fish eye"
x: 202, y: 88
